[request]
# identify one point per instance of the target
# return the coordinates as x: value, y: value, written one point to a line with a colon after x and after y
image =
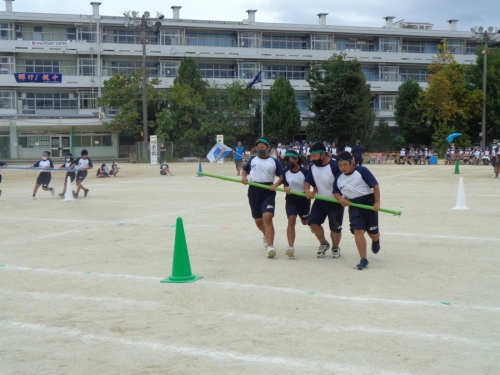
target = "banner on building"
x: 38, y: 77
x: 153, y: 149
x: 52, y: 43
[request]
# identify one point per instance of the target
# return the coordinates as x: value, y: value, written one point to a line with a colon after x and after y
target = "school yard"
x: 81, y: 294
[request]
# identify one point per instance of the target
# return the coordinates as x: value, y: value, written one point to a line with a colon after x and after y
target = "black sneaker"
x: 376, y: 247
x: 86, y: 191
x: 363, y: 263
x: 75, y: 195
x: 61, y: 195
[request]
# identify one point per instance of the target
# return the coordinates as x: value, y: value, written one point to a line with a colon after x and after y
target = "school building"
x: 52, y: 66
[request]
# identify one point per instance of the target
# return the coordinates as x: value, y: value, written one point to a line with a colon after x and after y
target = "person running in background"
x: 45, y: 176
x: 239, y: 154
x: 70, y: 174
x: 357, y: 152
x: 114, y: 169
x: 321, y: 177
x: 83, y: 163
x: 263, y: 169
x: 294, y: 177
x: 358, y: 185
x: 2, y: 165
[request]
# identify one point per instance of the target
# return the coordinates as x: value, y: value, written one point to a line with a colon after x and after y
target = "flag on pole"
x: 257, y: 79
x: 219, y: 151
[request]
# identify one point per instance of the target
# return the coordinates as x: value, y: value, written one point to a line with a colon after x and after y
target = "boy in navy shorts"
x: 70, y: 174
x: 263, y: 169
x: 294, y: 176
x: 83, y: 163
x: 45, y: 176
x: 321, y: 177
x: 358, y: 185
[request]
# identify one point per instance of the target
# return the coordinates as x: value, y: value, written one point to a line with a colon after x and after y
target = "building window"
x: 6, y: 64
x: 286, y: 42
x: 88, y: 99
x: 211, y: 39
x: 52, y: 101
x: 6, y: 31
x: 470, y: 48
x: 217, y: 70
x: 249, y: 40
x: 456, y: 46
x: 288, y: 71
x: 7, y: 99
x: 371, y: 73
x: 302, y: 103
x: 355, y: 44
x: 420, y: 46
x: 418, y: 75
x: 86, y: 34
x: 86, y: 67
x: 389, y: 73
x: 248, y: 70
x: 171, y: 37
x: 33, y: 141
x: 387, y: 102
x: 128, y: 36
x: 93, y: 140
x: 67, y: 67
x: 389, y: 44
x: 128, y: 67
x: 169, y: 68
x: 321, y: 42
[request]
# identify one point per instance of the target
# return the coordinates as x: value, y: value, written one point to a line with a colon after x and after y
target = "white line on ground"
x: 249, y: 317
x: 269, y: 288
x: 442, y: 236
x: 214, y: 354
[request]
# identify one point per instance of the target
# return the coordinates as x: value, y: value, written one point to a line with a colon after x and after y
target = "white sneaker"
x: 33, y: 198
x: 271, y: 252
x: 264, y: 242
x: 322, y: 249
x: 494, y: 176
x: 335, y: 252
x: 290, y: 251
x: 52, y: 191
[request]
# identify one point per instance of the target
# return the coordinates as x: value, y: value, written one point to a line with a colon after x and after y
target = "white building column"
x: 14, y: 144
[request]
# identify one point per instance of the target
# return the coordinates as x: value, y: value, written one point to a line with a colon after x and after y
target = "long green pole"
x: 397, y: 213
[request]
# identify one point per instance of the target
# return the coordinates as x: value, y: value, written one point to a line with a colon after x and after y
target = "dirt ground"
x: 81, y: 294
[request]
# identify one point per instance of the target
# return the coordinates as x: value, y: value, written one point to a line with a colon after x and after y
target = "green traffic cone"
x: 181, y: 267
x: 457, y: 169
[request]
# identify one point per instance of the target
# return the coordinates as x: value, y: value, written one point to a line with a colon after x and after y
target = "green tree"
x: 281, y: 115
x: 340, y: 101
x: 382, y: 140
x: 409, y: 117
x: 231, y: 109
x: 492, y: 92
x: 186, y: 119
x: 447, y: 103
x: 124, y: 91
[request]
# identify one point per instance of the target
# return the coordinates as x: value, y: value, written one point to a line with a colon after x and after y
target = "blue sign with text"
x: 38, y: 77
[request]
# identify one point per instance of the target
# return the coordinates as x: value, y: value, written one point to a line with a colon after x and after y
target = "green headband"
x: 344, y: 159
x: 291, y: 154
x: 317, y: 152
x: 263, y: 141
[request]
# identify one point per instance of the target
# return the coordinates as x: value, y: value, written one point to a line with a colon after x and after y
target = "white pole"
x: 261, y: 102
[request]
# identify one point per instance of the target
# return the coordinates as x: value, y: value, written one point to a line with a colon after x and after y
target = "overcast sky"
x: 346, y: 13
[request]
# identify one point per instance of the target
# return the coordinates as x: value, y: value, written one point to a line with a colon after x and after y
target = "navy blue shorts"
x: 322, y: 209
x: 361, y: 218
x: 261, y: 200
x: 71, y: 175
x: 81, y: 175
x: 297, y: 206
x: 43, y: 179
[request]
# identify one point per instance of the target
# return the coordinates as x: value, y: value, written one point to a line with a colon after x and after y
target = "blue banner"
x: 38, y: 77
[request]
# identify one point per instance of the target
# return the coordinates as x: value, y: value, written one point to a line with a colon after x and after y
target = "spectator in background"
x: 239, y: 155
x: 163, y: 150
x: 357, y: 152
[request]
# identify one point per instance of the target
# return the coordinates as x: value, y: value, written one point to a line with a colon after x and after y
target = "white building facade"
x: 38, y: 113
